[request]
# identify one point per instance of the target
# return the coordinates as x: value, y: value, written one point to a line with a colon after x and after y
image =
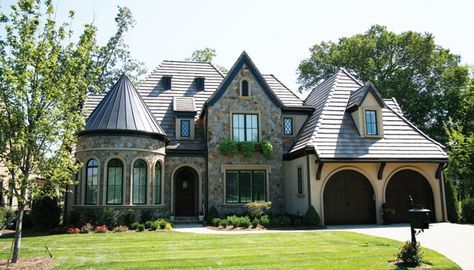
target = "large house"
x: 344, y: 149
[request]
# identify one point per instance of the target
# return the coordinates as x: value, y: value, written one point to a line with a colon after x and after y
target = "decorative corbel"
x: 320, y: 168
x: 381, y: 168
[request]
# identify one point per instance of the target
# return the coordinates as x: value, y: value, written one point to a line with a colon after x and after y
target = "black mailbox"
x: 419, y: 218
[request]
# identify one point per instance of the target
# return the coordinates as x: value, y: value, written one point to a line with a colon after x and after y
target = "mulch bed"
x: 39, y: 263
x: 260, y: 228
x: 401, y: 265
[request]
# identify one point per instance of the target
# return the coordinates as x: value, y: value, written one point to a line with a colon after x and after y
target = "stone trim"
x: 157, y: 151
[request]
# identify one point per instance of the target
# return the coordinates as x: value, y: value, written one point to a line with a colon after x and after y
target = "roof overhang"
x: 119, y: 132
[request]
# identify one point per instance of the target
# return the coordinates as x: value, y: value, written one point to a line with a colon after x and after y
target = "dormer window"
x: 371, y: 123
x: 199, y: 84
x: 166, y: 82
x: 185, y: 129
x: 244, y: 88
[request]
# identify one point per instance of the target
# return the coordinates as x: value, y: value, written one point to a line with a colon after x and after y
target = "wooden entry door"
x: 348, y: 199
x: 186, y: 192
x: 408, y: 183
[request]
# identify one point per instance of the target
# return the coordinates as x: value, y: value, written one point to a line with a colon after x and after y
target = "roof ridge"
x: 291, y: 91
x: 218, y: 71
x: 312, y: 90
x: 439, y: 145
x: 395, y: 101
x: 361, y: 83
x: 187, y: 61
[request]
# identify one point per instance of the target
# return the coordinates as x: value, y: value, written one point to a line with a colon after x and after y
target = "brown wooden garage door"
x: 403, y: 184
x: 348, y: 199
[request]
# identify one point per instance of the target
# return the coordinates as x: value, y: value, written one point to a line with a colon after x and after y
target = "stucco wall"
x: 294, y: 203
x: 219, y: 129
x: 370, y: 171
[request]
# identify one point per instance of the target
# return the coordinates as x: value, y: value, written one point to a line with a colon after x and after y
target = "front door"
x: 186, y: 192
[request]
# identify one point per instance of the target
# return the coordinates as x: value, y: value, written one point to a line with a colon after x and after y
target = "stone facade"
x: 219, y: 129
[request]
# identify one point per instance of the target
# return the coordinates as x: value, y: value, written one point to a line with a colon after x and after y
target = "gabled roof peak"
x: 122, y: 110
x: 357, y: 97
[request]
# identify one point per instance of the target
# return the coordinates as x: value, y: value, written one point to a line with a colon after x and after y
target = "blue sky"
x: 276, y: 34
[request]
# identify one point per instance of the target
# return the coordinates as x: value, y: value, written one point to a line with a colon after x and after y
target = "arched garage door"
x: 400, y: 186
x: 348, y: 199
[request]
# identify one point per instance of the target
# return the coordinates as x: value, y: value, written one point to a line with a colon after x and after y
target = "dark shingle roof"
x: 122, y: 109
x: 288, y: 97
x: 357, y: 97
x: 331, y: 131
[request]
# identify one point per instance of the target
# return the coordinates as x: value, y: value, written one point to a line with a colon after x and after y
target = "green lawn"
x: 160, y: 250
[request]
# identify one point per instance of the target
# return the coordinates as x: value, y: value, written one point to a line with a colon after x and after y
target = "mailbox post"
x: 419, y: 219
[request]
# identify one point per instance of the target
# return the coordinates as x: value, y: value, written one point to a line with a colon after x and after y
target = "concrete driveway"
x: 455, y: 241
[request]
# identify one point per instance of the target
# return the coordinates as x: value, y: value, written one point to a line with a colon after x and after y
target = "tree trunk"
x: 18, y: 231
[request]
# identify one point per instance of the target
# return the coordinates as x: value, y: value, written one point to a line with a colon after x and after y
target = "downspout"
x: 308, y: 176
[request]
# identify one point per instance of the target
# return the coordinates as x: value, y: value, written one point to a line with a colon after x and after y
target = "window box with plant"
x: 246, y: 148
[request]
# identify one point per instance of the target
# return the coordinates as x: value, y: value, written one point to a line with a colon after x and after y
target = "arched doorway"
x: 186, y: 192
x: 400, y: 186
x: 348, y: 199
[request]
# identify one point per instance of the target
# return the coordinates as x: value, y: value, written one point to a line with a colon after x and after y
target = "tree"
x: 425, y: 78
x: 206, y: 55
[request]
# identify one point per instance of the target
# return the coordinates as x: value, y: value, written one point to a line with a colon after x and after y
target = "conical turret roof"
x: 122, y: 110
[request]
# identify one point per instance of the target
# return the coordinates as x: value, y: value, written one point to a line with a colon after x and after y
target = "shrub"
x: 101, y: 229
x: 154, y: 226
x: 45, y: 213
x: 257, y: 209
x: 255, y: 223
x: 247, y: 149
x: 410, y: 254
x: 297, y: 221
x: 168, y: 226
x: 120, y: 228
x: 215, y: 222
x: 212, y: 214
x: 146, y: 214
x: 111, y: 217
x: 267, y: 149
x: 141, y: 227
x: 451, y: 201
x: 7, y: 217
x: 223, y: 222
x: 74, y: 218
x: 281, y: 220
x: 148, y: 224
x: 228, y: 148
x: 87, y: 228
x: 264, y: 221
x: 311, y: 218
x: 244, y: 222
x: 129, y: 217
x: 73, y: 230
x: 233, y: 220
x: 468, y: 210
x: 161, y: 223
x: 134, y: 225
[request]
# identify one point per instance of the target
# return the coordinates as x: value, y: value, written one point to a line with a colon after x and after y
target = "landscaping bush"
x: 134, y: 225
x: 141, y: 227
x: 111, y: 217
x: 7, y: 217
x: 215, y: 222
x: 73, y: 230
x: 410, y: 254
x: 297, y: 222
x: 146, y: 214
x: 233, y: 220
x: 244, y: 222
x: 228, y: 148
x: 154, y: 226
x: 45, y: 213
x: 101, y: 229
x: 120, y: 228
x: 451, y: 201
x: 468, y: 210
x: 264, y: 221
x: 169, y: 226
x: 255, y: 223
x: 148, y: 224
x: 161, y: 223
x: 128, y: 217
x: 89, y: 216
x: 311, y: 218
x: 281, y: 221
x: 212, y: 214
x: 223, y: 222
x: 257, y: 209
x: 74, y: 218
x: 87, y: 228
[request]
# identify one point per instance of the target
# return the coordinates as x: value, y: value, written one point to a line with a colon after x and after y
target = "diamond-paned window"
x: 185, y: 128
x: 288, y: 126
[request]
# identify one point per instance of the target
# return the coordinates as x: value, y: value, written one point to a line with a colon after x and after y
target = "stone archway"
x: 348, y: 199
x: 186, y: 192
x: 402, y: 184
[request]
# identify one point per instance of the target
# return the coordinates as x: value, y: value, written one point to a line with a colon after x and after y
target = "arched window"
x: 114, y: 181
x: 157, y: 184
x: 92, y: 180
x: 139, y: 182
x: 244, y: 88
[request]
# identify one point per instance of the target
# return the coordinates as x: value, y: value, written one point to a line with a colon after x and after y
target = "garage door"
x: 348, y: 199
x: 403, y: 184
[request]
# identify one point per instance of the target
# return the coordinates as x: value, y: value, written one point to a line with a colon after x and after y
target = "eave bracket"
x: 320, y: 168
x: 381, y: 168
